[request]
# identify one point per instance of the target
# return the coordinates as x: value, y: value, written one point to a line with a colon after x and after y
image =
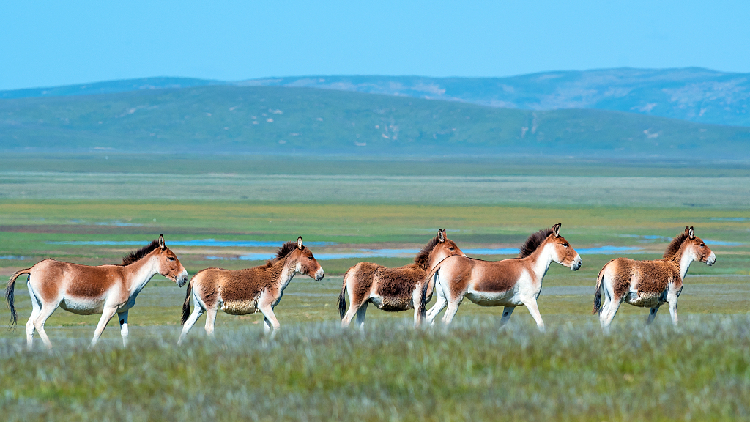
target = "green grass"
x: 473, y: 371
x: 29, y: 229
x: 186, y: 164
x: 313, y: 370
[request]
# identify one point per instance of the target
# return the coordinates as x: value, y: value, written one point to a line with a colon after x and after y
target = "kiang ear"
x: 441, y: 235
x: 161, y: 242
x: 299, y: 243
x: 691, y: 233
x: 556, y: 229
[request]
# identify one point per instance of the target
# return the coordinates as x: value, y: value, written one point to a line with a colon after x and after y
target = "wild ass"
x: 247, y: 291
x: 509, y: 283
x: 394, y: 289
x: 85, y: 290
x: 649, y: 284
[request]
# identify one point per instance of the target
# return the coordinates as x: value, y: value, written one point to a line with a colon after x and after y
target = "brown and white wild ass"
x: 247, y: 291
x: 394, y: 289
x: 509, y: 283
x: 649, y: 284
x: 85, y: 290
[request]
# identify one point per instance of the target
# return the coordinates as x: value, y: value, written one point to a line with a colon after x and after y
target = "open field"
x: 313, y: 370
x: 317, y: 372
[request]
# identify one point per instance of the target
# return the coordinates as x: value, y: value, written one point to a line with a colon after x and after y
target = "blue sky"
x: 48, y: 43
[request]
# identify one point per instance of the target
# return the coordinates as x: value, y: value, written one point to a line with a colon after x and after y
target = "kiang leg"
x: 439, y: 305
x: 354, y: 307
x: 36, y: 309
x: 266, y: 325
x: 210, y: 319
x: 452, y: 309
x: 534, y: 311
x: 361, y: 315
x: 419, y: 309
x: 652, y: 314
x: 107, y: 314
x: 44, y: 313
x: 265, y: 304
x: 507, y: 312
x: 197, y: 312
x: 609, y: 310
x: 123, y: 318
x: 672, y: 300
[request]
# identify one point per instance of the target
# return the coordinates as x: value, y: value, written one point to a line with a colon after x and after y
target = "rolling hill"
x: 691, y: 94
x: 231, y: 119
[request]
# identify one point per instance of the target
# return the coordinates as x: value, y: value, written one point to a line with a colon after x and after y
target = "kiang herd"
x: 440, y: 267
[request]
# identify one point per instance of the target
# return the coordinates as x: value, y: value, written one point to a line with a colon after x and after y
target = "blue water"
x: 202, y: 242
x: 720, y: 243
x: 12, y: 257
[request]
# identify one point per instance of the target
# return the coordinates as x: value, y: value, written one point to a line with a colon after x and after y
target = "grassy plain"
x: 314, y: 371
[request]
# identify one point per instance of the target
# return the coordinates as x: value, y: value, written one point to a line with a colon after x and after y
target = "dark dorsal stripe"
x: 283, y: 251
x: 674, y: 245
x: 423, y: 257
x: 140, y: 253
x: 533, y: 242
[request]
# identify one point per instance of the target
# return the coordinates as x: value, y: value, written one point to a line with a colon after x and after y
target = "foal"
x: 394, y: 289
x: 85, y: 290
x: 508, y: 283
x: 247, y: 291
x: 649, y: 284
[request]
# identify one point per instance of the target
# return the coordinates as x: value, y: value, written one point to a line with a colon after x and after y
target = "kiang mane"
x: 423, y: 257
x: 675, y: 245
x: 283, y: 251
x: 533, y: 242
x: 140, y: 253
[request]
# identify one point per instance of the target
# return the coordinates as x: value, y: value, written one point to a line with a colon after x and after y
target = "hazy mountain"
x: 229, y: 119
x: 691, y: 94
x: 109, y: 87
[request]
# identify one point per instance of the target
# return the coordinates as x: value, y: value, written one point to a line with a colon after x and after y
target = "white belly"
x: 507, y: 298
x: 82, y: 306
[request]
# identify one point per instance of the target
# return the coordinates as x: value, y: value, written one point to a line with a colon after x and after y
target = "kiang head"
x: 303, y: 260
x: 696, y: 248
x: 436, y: 250
x: 562, y: 252
x: 169, y: 266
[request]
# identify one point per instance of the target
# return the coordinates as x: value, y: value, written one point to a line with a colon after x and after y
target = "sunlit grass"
x: 312, y: 370
x: 316, y: 371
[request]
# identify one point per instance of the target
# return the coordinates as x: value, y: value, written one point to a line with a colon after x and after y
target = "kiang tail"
x: 10, y: 294
x: 186, y: 304
x: 342, y: 297
x: 598, y: 292
x: 423, y: 299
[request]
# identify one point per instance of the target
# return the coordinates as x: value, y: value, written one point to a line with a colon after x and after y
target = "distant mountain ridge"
x: 230, y: 119
x: 690, y: 94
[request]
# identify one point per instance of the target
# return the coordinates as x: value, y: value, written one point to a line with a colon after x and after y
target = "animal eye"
x: 703, y: 245
x: 565, y: 245
x: 170, y: 258
x: 310, y: 257
x: 451, y: 248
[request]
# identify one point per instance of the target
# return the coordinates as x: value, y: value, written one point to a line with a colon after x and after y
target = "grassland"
x: 313, y: 370
x: 471, y: 372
